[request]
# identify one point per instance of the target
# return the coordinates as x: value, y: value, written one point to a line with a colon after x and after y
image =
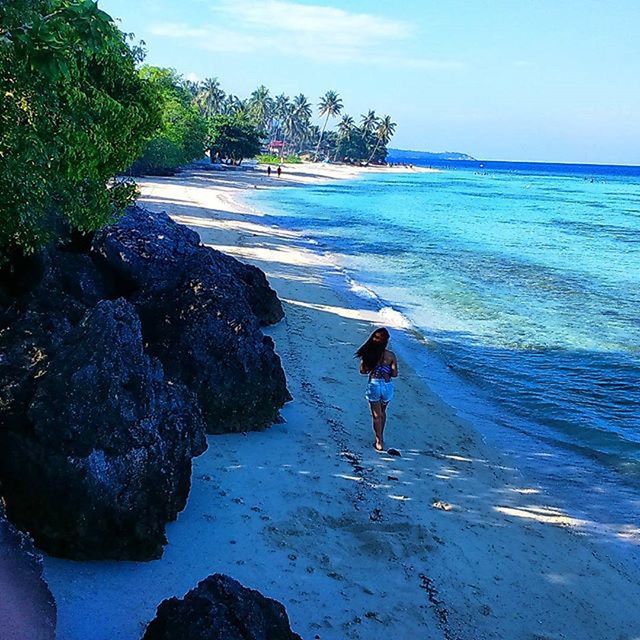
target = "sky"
x: 531, y: 80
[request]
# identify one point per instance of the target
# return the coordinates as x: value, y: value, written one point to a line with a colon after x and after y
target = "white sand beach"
x: 447, y: 541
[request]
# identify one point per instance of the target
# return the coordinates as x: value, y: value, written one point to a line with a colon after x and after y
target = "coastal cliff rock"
x: 103, y: 458
x: 27, y: 608
x: 199, y: 312
x: 220, y: 608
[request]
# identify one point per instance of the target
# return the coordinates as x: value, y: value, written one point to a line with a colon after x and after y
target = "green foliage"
x: 268, y: 158
x: 73, y: 113
x: 271, y: 158
x: 183, y: 131
x: 233, y: 137
x: 290, y: 121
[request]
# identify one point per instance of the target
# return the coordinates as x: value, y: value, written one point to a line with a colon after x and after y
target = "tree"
x: 384, y: 132
x: 299, y: 117
x: 345, y: 126
x: 369, y: 121
x: 232, y: 105
x: 260, y: 107
x: 330, y: 106
x: 233, y: 137
x: 210, y: 97
x: 183, y: 130
x: 281, y: 106
x: 73, y: 114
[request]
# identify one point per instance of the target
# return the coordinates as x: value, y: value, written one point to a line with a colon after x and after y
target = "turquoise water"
x: 526, y: 284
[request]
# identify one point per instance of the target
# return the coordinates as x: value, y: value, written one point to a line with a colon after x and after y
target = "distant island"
x: 419, y: 157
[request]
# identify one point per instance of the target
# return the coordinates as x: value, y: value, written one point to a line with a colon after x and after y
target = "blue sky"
x: 543, y: 80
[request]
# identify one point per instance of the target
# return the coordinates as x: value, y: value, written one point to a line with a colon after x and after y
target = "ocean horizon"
x: 521, y: 281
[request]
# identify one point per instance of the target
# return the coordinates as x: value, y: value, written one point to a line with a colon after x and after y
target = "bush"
x: 73, y: 114
x: 270, y: 158
x: 183, y: 131
x: 161, y: 158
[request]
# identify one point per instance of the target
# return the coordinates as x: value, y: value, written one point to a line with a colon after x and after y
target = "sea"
x: 520, y: 283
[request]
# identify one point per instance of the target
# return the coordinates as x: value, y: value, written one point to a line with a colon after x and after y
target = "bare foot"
x: 378, y: 445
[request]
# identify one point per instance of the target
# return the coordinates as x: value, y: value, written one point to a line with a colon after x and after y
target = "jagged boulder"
x: 27, y: 608
x: 220, y: 608
x: 103, y: 456
x: 153, y: 253
x: 111, y: 351
x: 197, y: 317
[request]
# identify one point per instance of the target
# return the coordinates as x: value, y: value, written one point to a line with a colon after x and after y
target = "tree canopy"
x: 233, y: 137
x: 182, y: 134
x: 74, y: 112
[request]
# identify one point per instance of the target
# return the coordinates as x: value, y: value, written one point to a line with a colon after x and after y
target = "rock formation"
x: 115, y: 354
x: 104, y: 460
x: 201, y: 313
x: 220, y: 608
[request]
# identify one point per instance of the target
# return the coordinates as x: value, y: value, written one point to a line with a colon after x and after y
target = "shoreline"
x: 309, y: 514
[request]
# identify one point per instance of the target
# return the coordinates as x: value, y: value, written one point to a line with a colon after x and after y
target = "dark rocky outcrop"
x: 199, y: 315
x: 220, y: 608
x: 27, y: 608
x: 115, y: 352
x: 104, y: 460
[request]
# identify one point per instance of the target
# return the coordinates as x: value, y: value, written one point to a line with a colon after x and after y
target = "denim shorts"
x: 378, y: 390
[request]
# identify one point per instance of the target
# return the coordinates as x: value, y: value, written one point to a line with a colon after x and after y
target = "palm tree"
x: 345, y: 126
x: 289, y: 126
x: 260, y: 106
x: 280, y: 108
x: 386, y: 129
x: 299, y: 118
x: 193, y: 87
x: 210, y: 98
x: 330, y: 105
x: 369, y: 122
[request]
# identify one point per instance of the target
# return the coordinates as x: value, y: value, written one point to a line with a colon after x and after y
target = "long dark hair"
x: 372, y: 350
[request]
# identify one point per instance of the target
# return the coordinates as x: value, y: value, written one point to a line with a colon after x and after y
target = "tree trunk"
x: 324, y: 126
x: 373, y: 153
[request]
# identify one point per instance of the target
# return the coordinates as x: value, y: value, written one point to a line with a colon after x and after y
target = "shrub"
x: 183, y: 131
x: 73, y: 113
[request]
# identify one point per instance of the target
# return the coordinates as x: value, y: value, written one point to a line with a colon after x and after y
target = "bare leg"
x: 383, y: 418
x: 376, y: 416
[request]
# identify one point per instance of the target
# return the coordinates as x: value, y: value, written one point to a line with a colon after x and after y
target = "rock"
x: 103, y: 458
x: 27, y: 608
x: 99, y: 342
x: 154, y: 253
x: 262, y: 299
x: 197, y: 318
x: 220, y: 608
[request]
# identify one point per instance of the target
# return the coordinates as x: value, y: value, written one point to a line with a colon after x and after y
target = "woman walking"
x: 381, y: 366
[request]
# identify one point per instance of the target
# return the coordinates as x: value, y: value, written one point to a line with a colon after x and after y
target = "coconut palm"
x: 298, y: 118
x: 330, y: 105
x: 384, y: 131
x: 193, y: 87
x: 345, y: 126
x: 210, y: 98
x: 281, y: 105
x: 233, y: 105
x: 260, y: 106
x: 369, y: 122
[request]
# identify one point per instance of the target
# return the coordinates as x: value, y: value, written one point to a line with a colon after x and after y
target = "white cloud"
x: 314, y: 32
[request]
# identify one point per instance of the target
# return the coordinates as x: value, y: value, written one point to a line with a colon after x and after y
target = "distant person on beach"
x: 381, y: 366
x: 279, y: 170
x: 269, y: 171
